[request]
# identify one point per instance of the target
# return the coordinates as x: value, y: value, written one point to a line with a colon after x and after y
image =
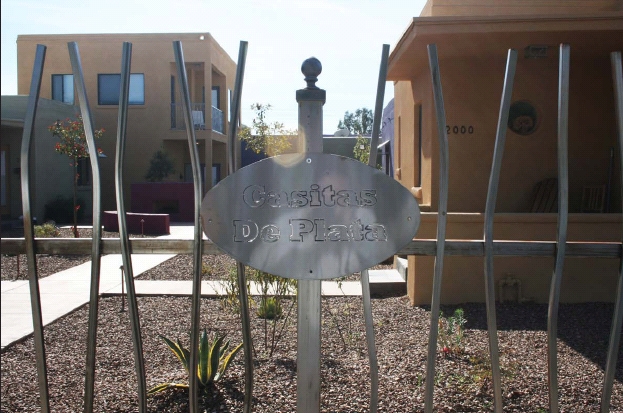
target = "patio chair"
x: 545, y: 196
x: 593, y: 198
x: 198, y: 121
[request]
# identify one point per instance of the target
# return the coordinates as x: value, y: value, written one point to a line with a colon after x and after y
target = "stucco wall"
x: 584, y: 279
x: 149, y: 124
x: 511, y: 7
x: 472, y: 90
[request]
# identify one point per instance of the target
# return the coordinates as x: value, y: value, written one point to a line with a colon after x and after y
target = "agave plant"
x: 212, y: 364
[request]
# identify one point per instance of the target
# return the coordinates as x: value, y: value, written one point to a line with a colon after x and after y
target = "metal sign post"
x: 310, y: 100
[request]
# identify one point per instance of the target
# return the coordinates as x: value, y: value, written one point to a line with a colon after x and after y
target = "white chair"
x: 198, y: 121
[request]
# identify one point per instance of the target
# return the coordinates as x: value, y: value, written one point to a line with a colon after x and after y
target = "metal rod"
x: 370, y: 340
x: 617, y: 317
x: 33, y: 279
x: 247, y: 339
x: 87, y: 120
x: 235, y: 107
x: 365, y: 276
x: 122, y: 291
x: 133, y: 312
x: 494, y: 179
x: 424, y: 247
x: 561, y: 239
x: 198, y: 238
x: 442, y: 212
x: 378, y: 107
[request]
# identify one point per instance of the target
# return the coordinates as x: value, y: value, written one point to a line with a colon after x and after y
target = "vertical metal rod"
x: 87, y: 120
x: 122, y: 291
x: 124, y: 87
x: 494, y: 179
x: 365, y: 276
x: 197, y: 247
x: 370, y: 340
x: 310, y: 101
x: 441, y: 225
x: 378, y: 107
x: 617, y: 317
x: 563, y: 208
x: 31, y: 260
x: 247, y: 339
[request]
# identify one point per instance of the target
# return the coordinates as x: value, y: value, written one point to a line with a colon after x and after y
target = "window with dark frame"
x: 63, y: 88
x: 108, y: 89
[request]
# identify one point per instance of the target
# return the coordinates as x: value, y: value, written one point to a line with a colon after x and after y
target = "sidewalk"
x: 68, y: 290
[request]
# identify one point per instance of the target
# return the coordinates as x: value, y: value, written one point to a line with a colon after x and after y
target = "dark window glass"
x: 63, y: 88
x: 108, y: 89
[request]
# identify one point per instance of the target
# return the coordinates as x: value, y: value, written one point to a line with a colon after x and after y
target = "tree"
x: 160, y: 167
x: 263, y: 137
x: 73, y: 143
x: 361, y: 151
x: 358, y: 123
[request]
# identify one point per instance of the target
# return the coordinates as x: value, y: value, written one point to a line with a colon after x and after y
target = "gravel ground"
x: 462, y: 381
x: 14, y: 267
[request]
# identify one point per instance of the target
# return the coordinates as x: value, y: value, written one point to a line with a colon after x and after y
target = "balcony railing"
x: 198, y: 117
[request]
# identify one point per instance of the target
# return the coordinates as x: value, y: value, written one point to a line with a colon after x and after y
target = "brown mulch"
x: 462, y: 379
x: 14, y: 267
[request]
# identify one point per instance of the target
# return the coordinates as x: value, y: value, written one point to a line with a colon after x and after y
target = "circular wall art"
x: 523, y: 118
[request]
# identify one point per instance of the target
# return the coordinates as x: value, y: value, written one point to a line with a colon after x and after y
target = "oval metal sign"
x: 310, y: 216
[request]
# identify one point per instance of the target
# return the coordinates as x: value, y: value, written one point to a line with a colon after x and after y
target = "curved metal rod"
x: 96, y: 254
x: 442, y: 213
x: 133, y: 312
x: 247, y: 339
x: 198, y: 238
x: 617, y: 317
x: 494, y: 179
x: 365, y: 276
x: 563, y: 209
x: 29, y: 237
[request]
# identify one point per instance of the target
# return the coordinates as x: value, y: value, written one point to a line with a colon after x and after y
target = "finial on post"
x: 311, y: 68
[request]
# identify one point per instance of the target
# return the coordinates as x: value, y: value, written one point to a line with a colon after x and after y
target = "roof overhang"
x: 490, y: 37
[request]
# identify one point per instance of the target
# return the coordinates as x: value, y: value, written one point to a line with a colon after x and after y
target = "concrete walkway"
x: 68, y: 290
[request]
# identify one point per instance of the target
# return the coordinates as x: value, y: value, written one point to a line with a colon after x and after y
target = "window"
x: 108, y: 89
x: 216, y: 97
x: 63, y: 88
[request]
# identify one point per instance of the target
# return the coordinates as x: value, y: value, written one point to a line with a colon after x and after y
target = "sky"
x: 347, y: 37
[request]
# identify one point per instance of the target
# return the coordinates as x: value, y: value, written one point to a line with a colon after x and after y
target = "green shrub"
x: 47, y: 230
x: 269, y: 308
x: 212, y: 362
x: 451, y: 331
x: 61, y: 210
x: 160, y: 167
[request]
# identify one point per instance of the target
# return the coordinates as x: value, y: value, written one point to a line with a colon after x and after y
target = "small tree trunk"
x: 75, y: 228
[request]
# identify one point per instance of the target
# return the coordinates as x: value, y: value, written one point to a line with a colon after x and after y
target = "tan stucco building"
x: 155, y: 118
x: 473, y: 38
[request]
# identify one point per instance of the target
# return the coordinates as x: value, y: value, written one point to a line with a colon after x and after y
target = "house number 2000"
x: 459, y: 129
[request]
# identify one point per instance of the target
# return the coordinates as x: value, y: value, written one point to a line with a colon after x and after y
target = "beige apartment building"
x: 473, y: 38
x: 155, y: 118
